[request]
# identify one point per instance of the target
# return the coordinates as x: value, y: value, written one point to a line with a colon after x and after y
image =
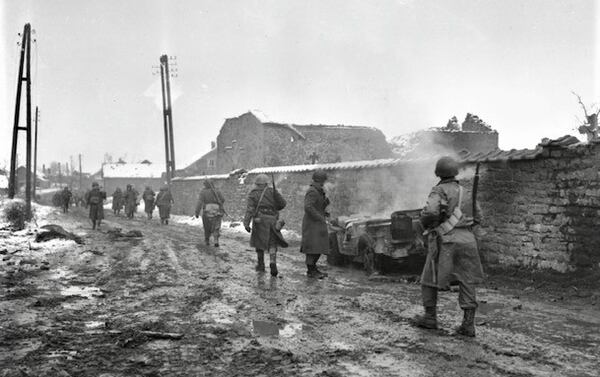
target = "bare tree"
x: 590, y: 126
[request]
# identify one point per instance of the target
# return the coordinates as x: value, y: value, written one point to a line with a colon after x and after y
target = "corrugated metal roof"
x: 500, y: 155
x: 348, y: 165
x: 202, y: 177
x: 563, y: 141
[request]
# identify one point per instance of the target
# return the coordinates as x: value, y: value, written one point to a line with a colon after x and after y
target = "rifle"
x: 475, y: 186
x: 219, y: 200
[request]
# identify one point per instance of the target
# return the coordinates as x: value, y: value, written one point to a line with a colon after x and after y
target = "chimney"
x: 213, y: 145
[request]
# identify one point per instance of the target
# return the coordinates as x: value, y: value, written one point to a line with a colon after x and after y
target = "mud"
x: 87, y: 310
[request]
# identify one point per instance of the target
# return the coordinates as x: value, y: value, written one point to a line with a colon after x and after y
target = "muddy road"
x: 116, y: 306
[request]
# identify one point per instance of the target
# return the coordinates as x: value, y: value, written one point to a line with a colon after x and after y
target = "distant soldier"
x: 164, y: 199
x: 130, y: 197
x: 94, y: 200
x: 210, y: 205
x: 262, y: 210
x: 452, y: 257
x: 148, y: 196
x: 117, y: 201
x: 315, y: 237
x: 66, y: 196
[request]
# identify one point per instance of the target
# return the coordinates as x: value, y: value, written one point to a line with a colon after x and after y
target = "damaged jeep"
x: 377, y: 243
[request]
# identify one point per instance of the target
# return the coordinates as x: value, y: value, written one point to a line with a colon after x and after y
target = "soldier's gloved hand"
x: 248, y: 229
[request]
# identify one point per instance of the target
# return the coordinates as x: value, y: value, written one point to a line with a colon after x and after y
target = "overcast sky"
x: 397, y: 65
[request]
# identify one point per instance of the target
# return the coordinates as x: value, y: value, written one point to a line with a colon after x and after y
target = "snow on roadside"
x: 230, y: 227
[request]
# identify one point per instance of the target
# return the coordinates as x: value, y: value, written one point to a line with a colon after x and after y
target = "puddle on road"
x: 87, y: 292
x: 486, y: 308
x: 94, y: 324
x: 267, y: 328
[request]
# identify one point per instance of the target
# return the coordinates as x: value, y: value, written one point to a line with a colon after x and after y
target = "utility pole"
x: 25, y: 59
x: 35, y: 152
x: 167, y: 117
x: 80, y: 172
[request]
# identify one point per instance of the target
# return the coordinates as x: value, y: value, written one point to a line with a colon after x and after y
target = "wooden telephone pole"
x: 35, y: 143
x: 25, y: 59
x: 167, y: 117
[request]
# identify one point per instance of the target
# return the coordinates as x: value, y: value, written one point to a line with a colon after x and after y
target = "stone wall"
x: 544, y: 213
x: 538, y: 213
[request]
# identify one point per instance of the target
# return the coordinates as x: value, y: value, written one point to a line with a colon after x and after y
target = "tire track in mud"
x: 240, y: 323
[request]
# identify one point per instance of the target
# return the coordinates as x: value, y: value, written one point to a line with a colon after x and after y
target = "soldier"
x: 210, y: 205
x: 262, y: 210
x: 66, y: 199
x: 117, y: 201
x: 452, y: 257
x: 148, y: 196
x: 94, y: 200
x: 164, y: 199
x: 130, y: 196
x: 315, y: 237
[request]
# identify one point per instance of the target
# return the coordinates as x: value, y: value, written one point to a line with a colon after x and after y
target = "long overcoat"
x: 452, y: 257
x: 315, y: 238
x: 130, y: 198
x: 117, y: 200
x: 148, y: 197
x: 164, y: 199
x: 94, y: 199
x: 264, y: 235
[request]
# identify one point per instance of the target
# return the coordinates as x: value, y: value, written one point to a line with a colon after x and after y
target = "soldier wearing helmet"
x: 315, y: 237
x: 130, y: 196
x: 452, y: 257
x: 164, y: 200
x: 262, y: 219
x: 210, y: 207
x: 94, y: 200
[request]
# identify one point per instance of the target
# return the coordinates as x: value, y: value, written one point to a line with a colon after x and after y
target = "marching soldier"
x: 94, y: 200
x: 210, y: 205
x: 164, y: 199
x: 315, y: 237
x: 452, y: 257
x: 66, y: 199
x: 130, y: 196
x: 262, y: 211
x: 148, y: 196
x: 117, y: 201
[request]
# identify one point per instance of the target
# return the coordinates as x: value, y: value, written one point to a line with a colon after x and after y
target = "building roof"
x: 132, y: 170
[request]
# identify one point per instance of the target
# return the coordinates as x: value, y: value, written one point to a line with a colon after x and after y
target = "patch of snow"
x: 133, y: 170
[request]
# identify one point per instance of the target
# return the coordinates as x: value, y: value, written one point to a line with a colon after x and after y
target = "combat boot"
x: 207, y: 241
x: 260, y: 261
x: 428, y: 320
x: 216, y: 241
x: 273, y: 268
x: 467, y: 327
x: 313, y: 272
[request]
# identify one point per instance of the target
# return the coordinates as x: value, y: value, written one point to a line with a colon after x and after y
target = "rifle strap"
x: 454, y: 218
x: 262, y: 195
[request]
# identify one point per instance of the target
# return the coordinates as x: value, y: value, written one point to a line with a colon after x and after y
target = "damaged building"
x: 473, y: 135
x: 247, y: 142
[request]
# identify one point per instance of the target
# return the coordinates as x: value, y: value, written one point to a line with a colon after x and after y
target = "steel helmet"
x: 261, y: 179
x: 446, y: 167
x: 319, y: 176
